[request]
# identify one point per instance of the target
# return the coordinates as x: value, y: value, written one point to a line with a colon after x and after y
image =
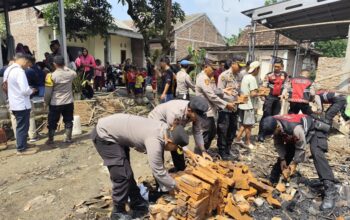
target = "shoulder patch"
x: 48, y: 80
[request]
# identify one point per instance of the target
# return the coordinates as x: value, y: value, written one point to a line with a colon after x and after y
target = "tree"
x: 155, y: 19
x: 332, y: 48
x: 83, y: 17
x: 2, y: 26
x: 233, y: 39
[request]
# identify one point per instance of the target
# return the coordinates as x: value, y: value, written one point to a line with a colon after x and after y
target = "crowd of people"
x: 212, y: 108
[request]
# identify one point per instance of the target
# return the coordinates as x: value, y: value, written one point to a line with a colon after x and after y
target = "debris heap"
x: 221, y: 187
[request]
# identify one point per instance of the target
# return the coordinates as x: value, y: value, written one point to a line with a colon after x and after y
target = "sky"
x: 230, y: 10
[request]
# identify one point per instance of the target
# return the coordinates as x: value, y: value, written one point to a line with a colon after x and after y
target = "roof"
x: 188, y: 19
x: 301, y: 12
x: 124, y: 30
x: 244, y: 48
x: 263, y: 39
x: 19, y: 4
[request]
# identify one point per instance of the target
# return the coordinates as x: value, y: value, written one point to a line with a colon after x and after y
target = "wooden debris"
x: 205, y: 187
x: 281, y: 187
x: 263, y: 91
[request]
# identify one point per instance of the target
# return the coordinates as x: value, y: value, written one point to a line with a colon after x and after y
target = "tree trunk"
x: 146, y: 46
x: 166, y: 37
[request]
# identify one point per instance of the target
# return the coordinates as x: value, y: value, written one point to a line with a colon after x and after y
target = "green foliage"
x: 198, y: 58
x: 83, y: 17
x: 2, y: 26
x: 233, y: 39
x: 332, y: 48
x: 150, y: 18
x: 270, y: 2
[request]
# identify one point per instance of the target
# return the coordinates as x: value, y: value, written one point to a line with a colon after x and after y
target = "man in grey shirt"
x: 182, y: 112
x: 59, y: 98
x: 114, y: 135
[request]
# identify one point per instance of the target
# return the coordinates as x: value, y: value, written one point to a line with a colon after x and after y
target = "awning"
x: 300, y: 12
x: 19, y: 4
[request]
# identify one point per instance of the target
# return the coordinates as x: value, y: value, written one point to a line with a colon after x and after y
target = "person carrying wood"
x: 182, y: 112
x: 291, y: 134
x: 59, y: 98
x: 114, y: 135
x: 276, y: 81
x: 206, y: 88
x: 227, y: 120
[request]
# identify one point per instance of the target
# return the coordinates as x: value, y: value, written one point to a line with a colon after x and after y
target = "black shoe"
x: 261, y: 138
x: 224, y: 155
x: 330, y: 196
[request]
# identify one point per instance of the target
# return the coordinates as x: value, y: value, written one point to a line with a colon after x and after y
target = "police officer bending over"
x: 182, y: 112
x: 337, y: 101
x: 291, y: 134
x: 113, y: 137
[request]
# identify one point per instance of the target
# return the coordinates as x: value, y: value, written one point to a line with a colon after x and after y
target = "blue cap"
x: 185, y: 62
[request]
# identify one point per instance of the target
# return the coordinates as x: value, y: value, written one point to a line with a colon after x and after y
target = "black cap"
x: 59, y: 60
x: 179, y: 136
x: 199, y: 105
x: 269, y: 125
x: 238, y: 59
x: 55, y: 42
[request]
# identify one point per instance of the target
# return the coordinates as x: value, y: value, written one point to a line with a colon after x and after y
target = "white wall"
x: 119, y: 43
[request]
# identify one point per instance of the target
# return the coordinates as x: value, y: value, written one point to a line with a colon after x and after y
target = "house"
x: 196, y: 31
x: 264, y: 50
x: 28, y: 27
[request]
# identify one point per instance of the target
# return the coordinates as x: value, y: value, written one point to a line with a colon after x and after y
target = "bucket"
x: 76, y: 125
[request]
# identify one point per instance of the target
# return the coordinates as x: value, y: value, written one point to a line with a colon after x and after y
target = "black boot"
x: 275, y: 173
x: 51, y: 136
x: 224, y: 155
x: 330, y: 196
x: 119, y: 213
x: 261, y: 138
x: 139, y: 208
x: 68, y: 135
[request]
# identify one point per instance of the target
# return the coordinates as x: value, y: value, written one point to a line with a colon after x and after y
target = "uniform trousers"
x: 226, y: 130
x: 295, y: 107
x: 339, y: 103
x: 55, y: 111
x: 209, y: 131
x: 117, y: 159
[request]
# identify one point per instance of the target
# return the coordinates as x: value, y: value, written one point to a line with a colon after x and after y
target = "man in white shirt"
x: 249, y: 87
x: 19, y: 99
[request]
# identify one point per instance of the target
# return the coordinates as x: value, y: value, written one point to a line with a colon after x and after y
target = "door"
x: 122, y: 56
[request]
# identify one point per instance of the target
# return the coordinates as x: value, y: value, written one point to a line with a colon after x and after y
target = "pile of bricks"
x: 221, y: 187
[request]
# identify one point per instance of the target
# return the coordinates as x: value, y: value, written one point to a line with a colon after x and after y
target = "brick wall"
x: 328, y: 66
x: 199, y: 33
x: 24, y: 27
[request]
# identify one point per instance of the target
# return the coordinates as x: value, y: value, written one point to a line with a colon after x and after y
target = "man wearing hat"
x: 206, y: 88
x: 182, y: 112
x: 227, y: 120
x: 113, y: 137
x: 249, y: 87
x: 184, y: 82
x: 59, y: 98
x: 291, y: 134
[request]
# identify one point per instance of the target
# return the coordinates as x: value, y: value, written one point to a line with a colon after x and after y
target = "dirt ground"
x: 49, y: 184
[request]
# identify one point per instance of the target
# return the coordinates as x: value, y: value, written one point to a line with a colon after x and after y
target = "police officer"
x: 182, y: 112
x: 227, y: 120
x: 113, y: 137
x: 276, y: 81
x: 291, y: 134
x: 301, y: 91
x: 184, y: 82
x: 206, y: 88
x: 59, y: 98
x: 337, y: 101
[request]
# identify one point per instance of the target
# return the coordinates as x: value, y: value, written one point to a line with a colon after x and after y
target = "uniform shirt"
x: 249, y: 83
x: 60, y: 83
x: 142, y: 133
x: 184, y: 82
x: 228, y: 79
x: 18, y: 89
x: 300, y: 143
x: 175, y: 112
x: 206, y: 88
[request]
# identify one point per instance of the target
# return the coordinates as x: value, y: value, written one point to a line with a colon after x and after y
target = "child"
x: 139, y: 84
x: 131, y: 77
x: 98, y: 75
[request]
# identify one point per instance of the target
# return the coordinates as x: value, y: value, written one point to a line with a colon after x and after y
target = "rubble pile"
x: 223, y: 188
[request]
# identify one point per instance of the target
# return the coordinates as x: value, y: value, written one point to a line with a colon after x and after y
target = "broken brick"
x: 248, y: 193
x: 281, y: 187
x: 261, y: 187
x: 273, y: 202
x: 286, y: 197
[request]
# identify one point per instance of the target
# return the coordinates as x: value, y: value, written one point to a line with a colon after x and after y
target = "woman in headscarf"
x: 87, y: 62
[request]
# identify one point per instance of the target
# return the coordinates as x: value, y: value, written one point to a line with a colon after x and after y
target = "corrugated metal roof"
x: 19, y: 4
x: 298, y: 12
